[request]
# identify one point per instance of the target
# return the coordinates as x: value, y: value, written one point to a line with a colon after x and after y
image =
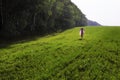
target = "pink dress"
x: 81, y: 33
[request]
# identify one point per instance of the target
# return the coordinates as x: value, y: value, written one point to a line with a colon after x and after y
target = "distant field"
x: 63, y: 56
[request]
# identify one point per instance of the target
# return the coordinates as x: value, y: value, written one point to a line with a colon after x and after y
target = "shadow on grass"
x: 80, y: 39
x: 5, y: 43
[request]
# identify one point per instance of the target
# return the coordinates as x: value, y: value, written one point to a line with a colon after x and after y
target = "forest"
x: 20, y: 18
x: 39, y: 40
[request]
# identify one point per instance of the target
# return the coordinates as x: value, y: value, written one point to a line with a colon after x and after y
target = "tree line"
x: 38, y: 17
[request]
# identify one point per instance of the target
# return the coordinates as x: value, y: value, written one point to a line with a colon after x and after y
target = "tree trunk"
x: 3, y: 11
x: 1, y: 16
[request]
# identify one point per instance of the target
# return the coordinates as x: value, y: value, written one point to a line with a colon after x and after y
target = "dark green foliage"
x: 38, y: 17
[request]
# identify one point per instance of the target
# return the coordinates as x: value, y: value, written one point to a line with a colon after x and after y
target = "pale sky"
x: 105, y: 12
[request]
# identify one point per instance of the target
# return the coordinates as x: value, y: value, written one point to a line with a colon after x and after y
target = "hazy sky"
x: 105, y: 12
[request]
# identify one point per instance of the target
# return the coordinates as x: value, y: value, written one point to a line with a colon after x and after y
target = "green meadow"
x: 63, y: 56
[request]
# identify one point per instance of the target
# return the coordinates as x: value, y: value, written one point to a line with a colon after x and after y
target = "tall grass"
x: 64, y: 56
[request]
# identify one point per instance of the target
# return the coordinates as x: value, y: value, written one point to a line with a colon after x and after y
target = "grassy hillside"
x: 64, y: 56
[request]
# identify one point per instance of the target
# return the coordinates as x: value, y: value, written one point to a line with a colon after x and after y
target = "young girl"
x: 81, y: 33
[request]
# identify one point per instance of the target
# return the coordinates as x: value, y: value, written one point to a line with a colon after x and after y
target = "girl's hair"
x: 81, y: 29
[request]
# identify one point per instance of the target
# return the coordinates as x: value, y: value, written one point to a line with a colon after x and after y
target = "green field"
x: 63, y: 56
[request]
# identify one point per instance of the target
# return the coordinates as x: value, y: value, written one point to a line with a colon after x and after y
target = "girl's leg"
x: 81, y: 36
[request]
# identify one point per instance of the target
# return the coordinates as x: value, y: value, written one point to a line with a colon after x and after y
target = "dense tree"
x: 38, y: 17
